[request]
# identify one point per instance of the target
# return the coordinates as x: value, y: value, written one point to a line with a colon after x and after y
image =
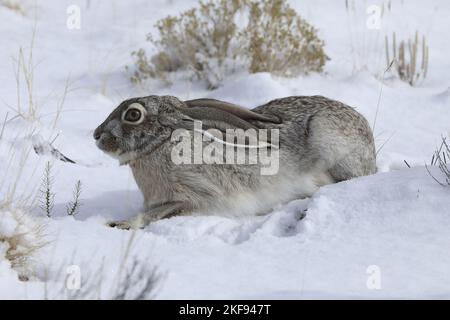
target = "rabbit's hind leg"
x: 345, y: 149
x: 352, y: 166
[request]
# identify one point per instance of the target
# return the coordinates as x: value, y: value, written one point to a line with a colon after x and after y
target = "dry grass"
x: 366, y: 47
x: 14, y: 176
x: 406, y: 55
x: 23, y: 236
x: 139, y: 281
x: 14, y: 5
x: 441, y: 159
x: 24, y: 71
x: 207, y: 43
x: 26, y: 106
x: 128, y: 279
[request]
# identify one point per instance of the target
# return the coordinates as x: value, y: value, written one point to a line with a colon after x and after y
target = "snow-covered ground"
x: 382, y: 236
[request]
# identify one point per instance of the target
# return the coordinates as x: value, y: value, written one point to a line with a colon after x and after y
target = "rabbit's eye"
x: 134, y: 114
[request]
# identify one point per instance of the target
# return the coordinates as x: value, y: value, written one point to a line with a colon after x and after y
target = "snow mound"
x: 397, y: 221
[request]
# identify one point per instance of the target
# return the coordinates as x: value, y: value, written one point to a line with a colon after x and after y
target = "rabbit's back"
x: 324, y: 133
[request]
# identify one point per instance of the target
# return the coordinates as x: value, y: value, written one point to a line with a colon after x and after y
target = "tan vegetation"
x: 209, y: 44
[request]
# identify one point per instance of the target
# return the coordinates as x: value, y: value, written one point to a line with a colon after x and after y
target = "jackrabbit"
x: 313, y: 141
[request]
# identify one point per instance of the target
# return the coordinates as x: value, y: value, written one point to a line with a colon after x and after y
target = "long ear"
x: 218, y: 119
x: 233, y: 109
x: 213, y: 118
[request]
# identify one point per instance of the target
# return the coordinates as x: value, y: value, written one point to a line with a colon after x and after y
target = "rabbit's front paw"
x: 124, y: 225
x: 137, y: 222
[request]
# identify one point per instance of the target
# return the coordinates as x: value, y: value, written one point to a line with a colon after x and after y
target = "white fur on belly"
x: 271, y: 194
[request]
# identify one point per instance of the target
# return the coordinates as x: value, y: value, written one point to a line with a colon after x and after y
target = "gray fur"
x: 321, y: 141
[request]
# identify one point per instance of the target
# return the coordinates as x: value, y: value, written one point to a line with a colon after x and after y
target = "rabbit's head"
x: 135, y: 128
x: 140, y: 125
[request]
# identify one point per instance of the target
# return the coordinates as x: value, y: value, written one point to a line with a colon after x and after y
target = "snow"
x: 397, y: 220
x: 9, y: 225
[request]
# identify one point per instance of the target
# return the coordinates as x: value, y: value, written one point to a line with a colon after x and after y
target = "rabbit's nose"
x: 97, y: 134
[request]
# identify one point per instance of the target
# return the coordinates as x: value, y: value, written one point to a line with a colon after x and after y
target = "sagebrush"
x: 222, y: 37
x: 14, y: 5
x: 20, y: 238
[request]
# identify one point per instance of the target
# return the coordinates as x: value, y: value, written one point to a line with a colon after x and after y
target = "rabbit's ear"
x: 212, y: 118
x: 233, y: 109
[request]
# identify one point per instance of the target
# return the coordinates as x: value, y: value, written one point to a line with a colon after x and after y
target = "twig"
x: 440, y: 159
x: 379, y: 96
x: 431, y: 175
x: 4, y: 125
x: 74, y: 206
x: 407, y: 164
x: 387, y: 140
x: 46, y: 190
